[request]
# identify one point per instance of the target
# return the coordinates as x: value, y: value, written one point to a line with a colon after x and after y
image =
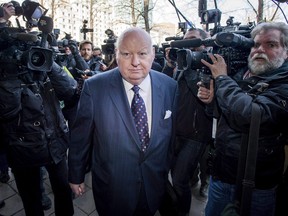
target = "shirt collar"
x: 144, y: 85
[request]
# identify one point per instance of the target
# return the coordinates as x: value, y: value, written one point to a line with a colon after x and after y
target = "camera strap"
x: 245, y: 182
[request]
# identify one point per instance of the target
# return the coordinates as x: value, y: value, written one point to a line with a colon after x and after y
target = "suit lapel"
x: 119, y: 98
x: 157, y: 100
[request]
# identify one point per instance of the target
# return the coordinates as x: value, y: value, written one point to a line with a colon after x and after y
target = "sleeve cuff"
x: 221, y: 77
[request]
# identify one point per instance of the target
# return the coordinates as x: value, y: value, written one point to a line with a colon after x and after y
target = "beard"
x: 258, y: 68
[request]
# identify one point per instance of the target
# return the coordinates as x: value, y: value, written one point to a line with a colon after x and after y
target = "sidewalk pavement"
x: 83, y: 205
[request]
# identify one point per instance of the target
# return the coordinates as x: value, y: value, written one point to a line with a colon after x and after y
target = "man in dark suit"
x: 128, y: 177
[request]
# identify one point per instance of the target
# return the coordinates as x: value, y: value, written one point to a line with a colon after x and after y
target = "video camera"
x: 160, y: 51
x: 108, y: 49
x: 233, y: 42
x: 21, y: 50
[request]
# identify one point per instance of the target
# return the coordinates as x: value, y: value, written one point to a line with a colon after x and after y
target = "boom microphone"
x: 186, y: 43
x: 25, y: 37
x: 173, y: 38
x: 222, y: 39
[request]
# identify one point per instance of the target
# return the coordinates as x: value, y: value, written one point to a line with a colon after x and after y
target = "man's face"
x: 97, y: 53
x: 86, y: 51
x: 67, y: 50
x: 268, y: 53
x: 194, y: 34
x: 134, y: 57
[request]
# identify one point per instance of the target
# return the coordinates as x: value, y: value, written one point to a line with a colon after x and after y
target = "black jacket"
x: 270, y: 92
x: 193, y: 120
x: 33, y: 125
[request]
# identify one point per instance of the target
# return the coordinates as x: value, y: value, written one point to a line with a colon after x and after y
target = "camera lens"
x: 37, y: 59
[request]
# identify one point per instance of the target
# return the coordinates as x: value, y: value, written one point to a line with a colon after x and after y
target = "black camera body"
x: 109, y: 46
x: 23, y: 51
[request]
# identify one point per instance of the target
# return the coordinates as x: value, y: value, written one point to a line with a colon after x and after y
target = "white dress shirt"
x: 145, y: 93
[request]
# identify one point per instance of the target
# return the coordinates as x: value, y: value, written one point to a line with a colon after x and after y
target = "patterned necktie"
x: 140, y: 118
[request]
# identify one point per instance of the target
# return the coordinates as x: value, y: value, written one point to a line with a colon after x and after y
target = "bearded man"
x: 266, y: 84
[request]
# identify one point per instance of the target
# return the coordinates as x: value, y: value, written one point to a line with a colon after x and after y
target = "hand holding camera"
x: 73, y: 47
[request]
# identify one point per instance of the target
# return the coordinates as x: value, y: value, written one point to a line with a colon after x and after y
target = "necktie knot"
x: 136, y: 89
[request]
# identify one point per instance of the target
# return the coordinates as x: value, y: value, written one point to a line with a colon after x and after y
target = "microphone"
x: 222, y: 39
x: 25, y: 37
x: 45, y: 25
x: 173, y: 38
x: 186, y: 43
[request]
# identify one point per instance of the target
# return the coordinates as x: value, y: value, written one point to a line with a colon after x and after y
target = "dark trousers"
x: 187, y: 159
x: 28, y: 184
x: 282, y: 196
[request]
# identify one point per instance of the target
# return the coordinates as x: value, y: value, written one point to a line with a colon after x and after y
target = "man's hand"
x: 218, y: 67
x: 204, y: 94
x: 73, y: 47
x: 78, y: 189
x: 8, y: 10
x: 169, y: 62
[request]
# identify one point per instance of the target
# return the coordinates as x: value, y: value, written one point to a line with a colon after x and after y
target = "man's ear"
x: 153, y: 51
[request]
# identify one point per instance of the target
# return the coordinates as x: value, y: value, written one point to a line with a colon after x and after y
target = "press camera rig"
x: 21, y: 49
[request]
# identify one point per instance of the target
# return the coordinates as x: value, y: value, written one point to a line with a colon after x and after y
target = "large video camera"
x: 20, y: 49
x: 109, y: 46
x: 233, y: 42
x: 108, y: 49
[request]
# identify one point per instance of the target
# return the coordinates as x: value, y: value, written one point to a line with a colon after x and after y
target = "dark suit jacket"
x: 104, y: 120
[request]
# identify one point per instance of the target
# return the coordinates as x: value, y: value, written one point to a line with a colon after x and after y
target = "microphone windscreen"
x: 45, y: 24
x: 186, y: 43
x: 173, y: 38
x: 26, y: 37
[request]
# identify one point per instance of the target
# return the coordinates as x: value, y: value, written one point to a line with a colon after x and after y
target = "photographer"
x: 6, y: 11
x: 266, y: 84
x: 36, y: 133
x: 96, y: 64
x: 77, y: 66
x: 97, y: 52
x: 193, y: 130
x: 34, y: 130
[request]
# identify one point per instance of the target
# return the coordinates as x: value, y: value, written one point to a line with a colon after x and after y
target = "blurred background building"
x: 89, y: 19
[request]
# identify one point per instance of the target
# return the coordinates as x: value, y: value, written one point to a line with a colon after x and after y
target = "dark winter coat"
x: 270, y: 92
x: 33, y: 125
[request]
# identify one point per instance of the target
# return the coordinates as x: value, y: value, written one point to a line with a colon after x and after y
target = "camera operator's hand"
x: 204, y: 94
x: 73, y: 47
x: 218, y: 67
x: 169, y: 62
x: 86, y: 74
x: 9, y: 11
x: 103, y: 66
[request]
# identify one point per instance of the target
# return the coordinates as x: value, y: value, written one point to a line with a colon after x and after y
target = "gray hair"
x: 130, y: 30
x: 266, y: 26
